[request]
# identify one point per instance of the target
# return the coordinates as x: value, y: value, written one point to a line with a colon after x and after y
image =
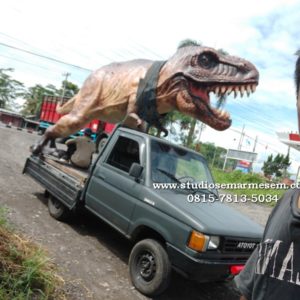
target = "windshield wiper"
x: 169, y: 175
x: 209, y: 191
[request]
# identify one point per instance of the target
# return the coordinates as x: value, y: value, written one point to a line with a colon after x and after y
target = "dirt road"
x: 91, y: 256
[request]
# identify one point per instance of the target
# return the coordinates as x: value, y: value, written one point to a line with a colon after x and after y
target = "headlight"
x: 201, y: 242
x: 213, y: 243
x: 198, y: 241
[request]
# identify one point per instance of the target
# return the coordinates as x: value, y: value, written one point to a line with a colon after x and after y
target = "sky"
x: 90, y: 34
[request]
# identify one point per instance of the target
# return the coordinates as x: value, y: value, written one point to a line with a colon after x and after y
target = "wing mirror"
x: 136, y: 170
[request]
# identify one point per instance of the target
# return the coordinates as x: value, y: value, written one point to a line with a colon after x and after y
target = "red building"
x: 11, y: 118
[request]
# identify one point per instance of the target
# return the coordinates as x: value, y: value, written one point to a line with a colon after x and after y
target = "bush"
x: 240, y: 177
x: 25, y: 271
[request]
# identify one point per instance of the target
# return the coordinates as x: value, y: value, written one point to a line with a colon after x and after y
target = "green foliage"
x: 213, y: 154
x: 34, y: 95
x: 25, y: 271
x: 277, y: 166
x: 240, y: 177
x: 10, y: 90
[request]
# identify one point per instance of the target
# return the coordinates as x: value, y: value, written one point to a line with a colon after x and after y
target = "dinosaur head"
x: 194, y: 72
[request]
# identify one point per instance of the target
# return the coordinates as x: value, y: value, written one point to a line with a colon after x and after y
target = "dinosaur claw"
x: 165, y: 131
x: 36, y: 149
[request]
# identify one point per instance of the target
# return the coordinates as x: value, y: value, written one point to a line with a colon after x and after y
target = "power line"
x: 44, y: 56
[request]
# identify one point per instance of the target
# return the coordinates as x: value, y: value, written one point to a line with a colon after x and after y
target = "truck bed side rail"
x: 65, y: 188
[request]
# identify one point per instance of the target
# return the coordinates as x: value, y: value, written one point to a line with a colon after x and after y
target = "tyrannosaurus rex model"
x: 184, y: 83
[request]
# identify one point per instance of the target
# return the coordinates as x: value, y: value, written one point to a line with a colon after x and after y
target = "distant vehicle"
x: 202, y: 240
x: 49, y: 116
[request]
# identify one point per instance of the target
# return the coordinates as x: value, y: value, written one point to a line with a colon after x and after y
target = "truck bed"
x: 65, y: 182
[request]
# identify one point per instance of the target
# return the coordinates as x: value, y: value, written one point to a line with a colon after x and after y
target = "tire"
x: 102, y: 143
x: 41, y: 131
x: 57, y: 210
x: 149, y: 267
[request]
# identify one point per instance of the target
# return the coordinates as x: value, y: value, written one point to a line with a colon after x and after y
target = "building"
x: 11, y: 118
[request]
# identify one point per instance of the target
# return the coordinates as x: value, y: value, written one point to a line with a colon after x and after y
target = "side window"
x: 124, y: 154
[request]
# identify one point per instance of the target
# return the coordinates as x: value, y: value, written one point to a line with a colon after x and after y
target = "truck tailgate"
x: 64, y: 187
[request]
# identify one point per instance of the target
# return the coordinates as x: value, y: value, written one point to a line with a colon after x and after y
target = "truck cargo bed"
x: 62, y: 181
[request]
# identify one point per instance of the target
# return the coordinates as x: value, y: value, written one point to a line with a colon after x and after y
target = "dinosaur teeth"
x: 253, y: 88
x: 236, y: 89
x: 229, y: 90
x: 217, y: 90
x: 223, y: 89
x: 242, y: 90
x: 248, y: 90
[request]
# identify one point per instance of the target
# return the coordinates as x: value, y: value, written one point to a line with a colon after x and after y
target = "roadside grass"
x: 265, y: 196
x: 25, y: 271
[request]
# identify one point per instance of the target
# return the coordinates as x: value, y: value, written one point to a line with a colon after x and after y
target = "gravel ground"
x: 91, y: 257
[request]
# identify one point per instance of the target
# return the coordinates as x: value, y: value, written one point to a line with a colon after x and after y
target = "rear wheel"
x: 57, y: 210
x: 150, y: 268
x: 102, y: 143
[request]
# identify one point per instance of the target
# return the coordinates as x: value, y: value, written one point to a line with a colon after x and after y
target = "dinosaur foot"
x: 36, y: 149
x: 165, y: 131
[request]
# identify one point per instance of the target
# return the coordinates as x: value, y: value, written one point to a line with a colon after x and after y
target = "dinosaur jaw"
x: 214, y: 117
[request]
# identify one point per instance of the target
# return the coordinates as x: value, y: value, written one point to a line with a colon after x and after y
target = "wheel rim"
x: 56, y: 204
x: 146, y: 265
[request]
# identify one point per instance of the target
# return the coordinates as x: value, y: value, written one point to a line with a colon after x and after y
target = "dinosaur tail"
x: 66, y: 107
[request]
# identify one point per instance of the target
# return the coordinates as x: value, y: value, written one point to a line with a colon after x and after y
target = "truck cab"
x: 138, y: 185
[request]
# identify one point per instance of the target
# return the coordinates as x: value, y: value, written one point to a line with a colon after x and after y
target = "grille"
x: 230, y: 245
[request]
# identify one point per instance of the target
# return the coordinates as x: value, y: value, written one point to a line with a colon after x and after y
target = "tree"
x: 213, y: 154
x: 277, y: 166
x: 68, y: 88
x: 268, y: 168
x: 35, y: 95
x: 10, y: 90
x: 286, y: 163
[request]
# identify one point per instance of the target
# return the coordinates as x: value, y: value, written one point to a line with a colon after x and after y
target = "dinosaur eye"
x: 207, y: 60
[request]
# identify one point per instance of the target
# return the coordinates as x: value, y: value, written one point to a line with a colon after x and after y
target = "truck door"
x: 112, y: 194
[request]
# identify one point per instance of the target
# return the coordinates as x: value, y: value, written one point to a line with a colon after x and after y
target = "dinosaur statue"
x: 184, y: 84
x: 297, y: 82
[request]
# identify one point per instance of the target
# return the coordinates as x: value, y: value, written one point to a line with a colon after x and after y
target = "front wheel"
x: 149, y: 267
x: 57, y: 210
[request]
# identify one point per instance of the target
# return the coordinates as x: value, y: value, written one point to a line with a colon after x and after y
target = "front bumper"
x: 206, y: 267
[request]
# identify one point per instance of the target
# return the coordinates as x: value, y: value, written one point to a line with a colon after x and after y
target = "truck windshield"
x: 171, y: 164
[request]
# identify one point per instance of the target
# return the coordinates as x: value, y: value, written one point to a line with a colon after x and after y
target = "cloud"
x: 95, y: 33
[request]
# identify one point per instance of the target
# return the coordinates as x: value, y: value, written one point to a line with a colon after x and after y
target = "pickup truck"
x: 202, y: 240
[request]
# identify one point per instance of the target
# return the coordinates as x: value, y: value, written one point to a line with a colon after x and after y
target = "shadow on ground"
x: 86, y: 224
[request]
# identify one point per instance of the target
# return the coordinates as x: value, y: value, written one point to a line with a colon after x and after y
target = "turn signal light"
x: 198, y: 241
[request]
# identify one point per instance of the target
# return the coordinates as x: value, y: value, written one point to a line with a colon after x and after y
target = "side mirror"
x: 135, y: 170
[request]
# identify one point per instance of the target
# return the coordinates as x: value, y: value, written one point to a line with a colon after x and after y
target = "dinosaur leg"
x: 67, y: 125
x: 138, y: 120
x: 162, y: 129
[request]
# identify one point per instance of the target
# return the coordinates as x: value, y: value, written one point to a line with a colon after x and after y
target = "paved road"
x: 90, y: 255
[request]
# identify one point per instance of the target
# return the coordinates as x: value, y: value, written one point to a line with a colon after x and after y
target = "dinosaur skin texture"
x: 184, y: 84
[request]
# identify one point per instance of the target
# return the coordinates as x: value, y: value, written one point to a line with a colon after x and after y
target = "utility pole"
x: 64, y: 86
x: 202, y: 126
x: 213, y: 160
x: 255, y: 142
x: 254, y: 147
x: 241, y: 138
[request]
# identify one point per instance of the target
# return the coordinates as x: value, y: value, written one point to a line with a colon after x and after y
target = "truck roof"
x: 151, y: 137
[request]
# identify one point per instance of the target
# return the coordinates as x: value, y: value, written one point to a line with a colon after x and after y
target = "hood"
x: 211, y: 218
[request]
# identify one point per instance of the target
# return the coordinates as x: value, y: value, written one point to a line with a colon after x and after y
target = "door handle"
x: 101, y: 176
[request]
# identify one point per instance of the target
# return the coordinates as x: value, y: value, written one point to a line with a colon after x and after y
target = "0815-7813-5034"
x: 230, y: 198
